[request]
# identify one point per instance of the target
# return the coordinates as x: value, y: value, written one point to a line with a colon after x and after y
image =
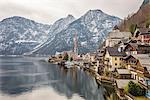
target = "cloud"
x: 48, y: 11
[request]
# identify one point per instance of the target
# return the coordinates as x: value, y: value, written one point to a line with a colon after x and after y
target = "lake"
x: 29, y: 78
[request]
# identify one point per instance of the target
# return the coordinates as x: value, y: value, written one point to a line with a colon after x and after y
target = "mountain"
x: 19, y: 35
x: 140, y: 18
x: 91, y: 29
x: 56, y: 28
x: 61, y: 24
x: 145, y: 2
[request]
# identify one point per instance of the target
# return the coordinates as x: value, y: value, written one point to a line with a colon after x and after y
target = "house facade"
x: 115, y: 37
x: 124, y: 74
x: 144, y: 37
x: 131, y: 48
x: 139, y: 65
x: 113, y: 57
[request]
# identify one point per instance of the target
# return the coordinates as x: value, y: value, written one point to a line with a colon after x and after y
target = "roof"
x: 128, y: 57
x: 113, y: 51
x: 148, y: 68
x: 122, y: 83
x: 143, y: 58
x: 118, y: 34
x: 123, y: 71
x: 144, y: 30
x: 134, y: 45
x: 145, y: 33
x: 143, y: 45
x: 93, y: 54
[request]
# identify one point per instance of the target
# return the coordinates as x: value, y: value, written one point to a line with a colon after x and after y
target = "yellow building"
x: 114, y: 57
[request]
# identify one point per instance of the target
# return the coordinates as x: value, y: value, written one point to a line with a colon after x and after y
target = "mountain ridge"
x: 90, y: 29
x: 19, y: 35
x: 23, y: 35
x: 140, y: 18
x: 145, y: 2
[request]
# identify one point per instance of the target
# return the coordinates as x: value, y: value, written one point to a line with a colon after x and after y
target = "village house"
x: 100, y: 55
x: 129, y: 61
x: 143, y: 35
x: 90, y: 57
x: 139, y: 65
x: 95, y: 60
x: 93, y: 57
x: 143, y: 49
x: 135, y: 48
x: 113, y: 57
x: 115, y: 37
x: 123, y: 74
x: 86, y: 57
x: 144, y: 38
x: 143, y: 67
x: 91, y: 61
x: 131, y: 48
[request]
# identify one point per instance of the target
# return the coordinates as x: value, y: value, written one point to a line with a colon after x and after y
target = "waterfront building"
x: 113, y: 57
x: 139, y: 65
x: 123, y: 74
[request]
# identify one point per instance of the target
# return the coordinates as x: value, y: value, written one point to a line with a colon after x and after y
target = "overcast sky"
x: 48, y: 11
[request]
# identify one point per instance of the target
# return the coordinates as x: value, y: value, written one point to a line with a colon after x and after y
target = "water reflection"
x: 27, y: 77
x: 46, y: 93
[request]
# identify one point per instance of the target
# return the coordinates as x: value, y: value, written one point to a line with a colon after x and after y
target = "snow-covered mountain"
x: 56, y: 28
x: 92, y: 29
x: 60, y: 25
x: 19, y: 35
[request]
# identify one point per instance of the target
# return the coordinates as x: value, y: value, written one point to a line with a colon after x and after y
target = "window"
x: 133, y: 62
x: 120, y: 58
x: 115, y: 64
x: 115, y: 58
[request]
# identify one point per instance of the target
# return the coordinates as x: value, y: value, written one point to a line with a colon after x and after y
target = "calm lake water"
x: 26, y: 78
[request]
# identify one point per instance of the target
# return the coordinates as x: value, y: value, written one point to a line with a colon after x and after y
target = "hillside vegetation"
x: 140, y: 19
